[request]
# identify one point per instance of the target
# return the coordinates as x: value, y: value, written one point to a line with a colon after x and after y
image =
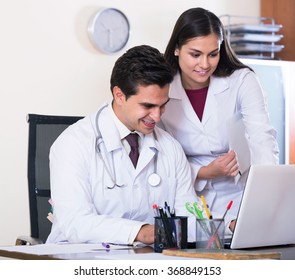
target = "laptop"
x: 266, y: 215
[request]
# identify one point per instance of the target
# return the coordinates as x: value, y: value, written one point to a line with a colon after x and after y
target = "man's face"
x: 143, y: 110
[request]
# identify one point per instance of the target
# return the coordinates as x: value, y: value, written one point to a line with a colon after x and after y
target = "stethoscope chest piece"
x: 154, y: 179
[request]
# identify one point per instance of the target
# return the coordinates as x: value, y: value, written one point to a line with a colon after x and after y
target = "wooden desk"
x: 23, y: 256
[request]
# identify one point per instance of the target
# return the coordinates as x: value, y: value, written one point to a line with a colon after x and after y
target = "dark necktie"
x: 132, y: 139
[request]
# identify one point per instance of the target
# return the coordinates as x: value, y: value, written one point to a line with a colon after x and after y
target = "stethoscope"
x: 154, y: 178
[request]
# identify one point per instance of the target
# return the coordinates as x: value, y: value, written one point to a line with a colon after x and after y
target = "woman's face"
x: 198, y: 59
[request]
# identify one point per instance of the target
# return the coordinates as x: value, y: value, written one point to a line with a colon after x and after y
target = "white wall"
x: 47, y: 65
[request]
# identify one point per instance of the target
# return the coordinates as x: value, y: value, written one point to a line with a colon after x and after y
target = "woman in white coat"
x: 210, y: 87
x: 98, y: 194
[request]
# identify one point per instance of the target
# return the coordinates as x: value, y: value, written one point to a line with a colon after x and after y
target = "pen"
x: 167, y: 209
x: 123, y: 245
x: 172, y: 212
x: 167, y: 227
x: 114, y: 246
x: 206, y: 207
x: 196, y: 210
x: 213, y: 229
x: 212, y: 226
x: 216, y: 231
x: 105, y: 245
x: 156, y: 210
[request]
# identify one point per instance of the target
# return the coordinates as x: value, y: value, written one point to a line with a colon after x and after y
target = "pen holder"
x: 210, y: 234
x: 170, y: 233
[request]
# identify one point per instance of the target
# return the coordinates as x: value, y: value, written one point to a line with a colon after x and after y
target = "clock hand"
x: 110, y: 38
x: 105, y: 27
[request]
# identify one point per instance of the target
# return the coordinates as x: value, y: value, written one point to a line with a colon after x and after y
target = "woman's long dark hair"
x: 198, y: 22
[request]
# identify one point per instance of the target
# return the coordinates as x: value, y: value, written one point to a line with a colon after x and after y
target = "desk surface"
x: 144, y: 253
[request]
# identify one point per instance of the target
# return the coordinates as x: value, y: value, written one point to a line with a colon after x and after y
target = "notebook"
x: 267, y: 212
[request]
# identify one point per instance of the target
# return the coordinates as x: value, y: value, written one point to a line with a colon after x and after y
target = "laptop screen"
x: 267, y: 212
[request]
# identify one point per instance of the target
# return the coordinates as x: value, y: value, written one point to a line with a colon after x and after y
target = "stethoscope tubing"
x: 154, y: 179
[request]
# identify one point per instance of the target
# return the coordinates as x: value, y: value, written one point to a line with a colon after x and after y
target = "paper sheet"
x: 81, y: 251
x: 62, y: 248
x: 238, y: 143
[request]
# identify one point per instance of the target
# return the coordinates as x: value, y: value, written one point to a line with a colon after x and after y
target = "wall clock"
x: 109, y: 30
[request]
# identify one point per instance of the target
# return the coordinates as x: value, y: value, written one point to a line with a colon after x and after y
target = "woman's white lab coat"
x: 203, y: 141
x: 88, y: 207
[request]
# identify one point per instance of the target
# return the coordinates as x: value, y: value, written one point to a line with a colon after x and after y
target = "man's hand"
x: 146, y: 234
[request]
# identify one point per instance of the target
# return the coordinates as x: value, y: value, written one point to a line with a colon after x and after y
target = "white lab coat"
x: 86, y: 210
x: 203, y: 141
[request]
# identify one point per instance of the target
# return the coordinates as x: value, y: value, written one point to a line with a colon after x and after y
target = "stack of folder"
x: 253, y: 37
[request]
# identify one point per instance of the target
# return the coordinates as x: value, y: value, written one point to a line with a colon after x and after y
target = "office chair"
x: 43, y: 130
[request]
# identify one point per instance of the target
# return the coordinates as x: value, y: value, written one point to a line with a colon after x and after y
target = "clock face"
x: 109, y: 30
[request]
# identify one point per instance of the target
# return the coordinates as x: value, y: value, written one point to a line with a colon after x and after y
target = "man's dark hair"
x: 140, y: 66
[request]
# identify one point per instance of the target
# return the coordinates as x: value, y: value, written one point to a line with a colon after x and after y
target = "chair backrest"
x: 43, y: 130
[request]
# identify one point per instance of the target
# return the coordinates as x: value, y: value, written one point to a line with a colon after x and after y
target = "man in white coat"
x: 98, y: 194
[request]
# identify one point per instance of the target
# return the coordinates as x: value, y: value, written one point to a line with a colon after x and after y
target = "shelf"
x: 255, y: 37
x: 260, y: 28
x: 249, y: 47
x: 248, y: 37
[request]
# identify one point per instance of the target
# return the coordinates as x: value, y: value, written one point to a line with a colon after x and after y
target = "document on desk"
x: 98, y: 252
x: 62, y: 248
x: 239, y: 143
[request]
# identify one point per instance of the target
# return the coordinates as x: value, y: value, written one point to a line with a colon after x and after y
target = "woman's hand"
x: 232, y: 225
x: 225, y: 165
